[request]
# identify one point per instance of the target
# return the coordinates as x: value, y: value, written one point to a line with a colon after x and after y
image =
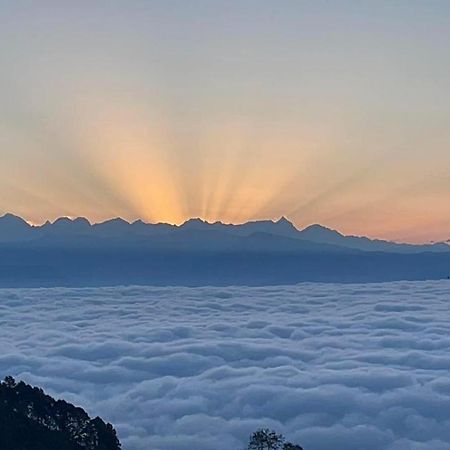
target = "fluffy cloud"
x: 330, y: 366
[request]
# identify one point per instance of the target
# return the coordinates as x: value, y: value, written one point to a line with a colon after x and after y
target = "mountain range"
x: 197, y: 232
x: 76, y: 252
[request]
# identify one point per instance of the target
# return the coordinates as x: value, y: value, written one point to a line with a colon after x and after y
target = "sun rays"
x: 225, y: 173
x: 120, y: 157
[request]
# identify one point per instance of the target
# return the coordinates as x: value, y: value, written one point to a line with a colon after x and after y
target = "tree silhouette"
x: 32, y: 420
x: 290, y: 446
x: 265, y: 439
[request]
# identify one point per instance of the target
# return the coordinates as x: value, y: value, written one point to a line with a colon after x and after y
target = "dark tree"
x: 265, y: 439
x: 32, y: 420
x: 9, y: 382
x: 290, y: 446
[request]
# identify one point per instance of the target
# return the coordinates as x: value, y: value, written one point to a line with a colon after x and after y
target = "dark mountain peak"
x: 283, y: 219
x: 68, y: 224
x: 14, y: 228
x: 318, y: 229
x: 112, y: 227
x: 81, y: 221
x: 317, y: 226
x: 68, y: 220
x: 30, y: 419
x: 13, y: 220
x: 62, y: 220
x: 195, y: 220
x: 285, y: 223
x: 140, y: 226
x: 65, y: 226
x: 195, y: 223
x: 115, y: 221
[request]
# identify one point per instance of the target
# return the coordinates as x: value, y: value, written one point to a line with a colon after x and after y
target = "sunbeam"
x: 164, y: 114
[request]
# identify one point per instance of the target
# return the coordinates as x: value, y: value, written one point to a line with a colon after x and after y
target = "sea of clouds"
x: 333, y: 367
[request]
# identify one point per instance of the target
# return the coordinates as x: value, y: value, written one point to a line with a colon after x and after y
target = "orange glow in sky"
x: 324, y: 114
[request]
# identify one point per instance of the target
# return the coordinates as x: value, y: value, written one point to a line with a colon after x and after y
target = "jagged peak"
x: 195, y: 221
x: 139, y: 222
x: 284, y: 221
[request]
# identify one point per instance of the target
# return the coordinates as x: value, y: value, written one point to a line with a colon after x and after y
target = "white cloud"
x: 330, y: 366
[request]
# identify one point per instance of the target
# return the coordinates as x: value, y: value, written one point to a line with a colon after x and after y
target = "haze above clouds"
x: 330, y: 366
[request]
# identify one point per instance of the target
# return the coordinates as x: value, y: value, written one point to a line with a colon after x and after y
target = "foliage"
x: 32, y: 420
x: 265, y: 439
x: 290, y: 446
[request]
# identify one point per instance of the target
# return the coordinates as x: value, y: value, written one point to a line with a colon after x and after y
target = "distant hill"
x: 32, y: 420
x: 76, y: 252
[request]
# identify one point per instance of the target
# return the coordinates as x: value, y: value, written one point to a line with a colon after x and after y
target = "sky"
x: 331, y: 112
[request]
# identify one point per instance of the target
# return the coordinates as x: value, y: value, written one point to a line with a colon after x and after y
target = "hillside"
x: 32, y: 420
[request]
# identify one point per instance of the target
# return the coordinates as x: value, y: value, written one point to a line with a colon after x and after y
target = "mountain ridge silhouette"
x: 74, y: 252
x: 14, y: 228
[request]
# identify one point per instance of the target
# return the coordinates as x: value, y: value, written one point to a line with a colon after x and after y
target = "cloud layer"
x: 330, y: 366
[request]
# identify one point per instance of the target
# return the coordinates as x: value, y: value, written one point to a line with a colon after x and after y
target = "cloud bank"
x: 330, y: 366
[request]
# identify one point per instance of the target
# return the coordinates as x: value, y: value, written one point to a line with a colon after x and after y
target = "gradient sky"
x: 335, y: 112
